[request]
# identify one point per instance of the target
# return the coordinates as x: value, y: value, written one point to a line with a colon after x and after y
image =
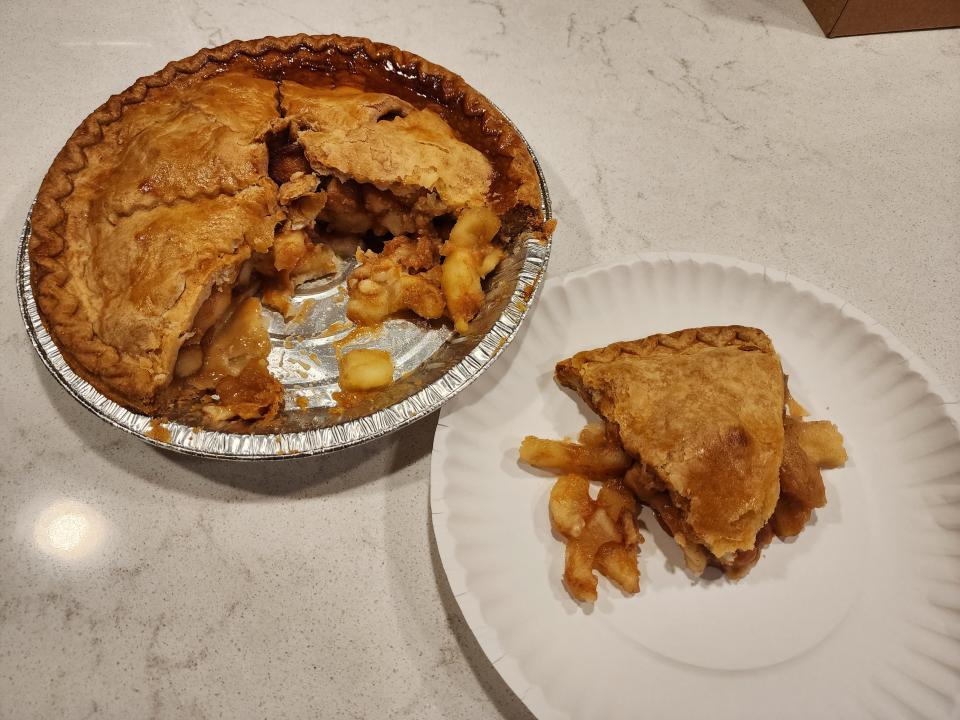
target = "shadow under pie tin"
x: 431, y: 362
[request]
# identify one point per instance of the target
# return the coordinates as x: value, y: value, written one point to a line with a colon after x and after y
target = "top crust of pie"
x: 380, y: 139
x: 162, y: 193
x: 703, y: 408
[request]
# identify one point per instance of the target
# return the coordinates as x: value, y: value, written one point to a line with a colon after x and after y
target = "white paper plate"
x: 858, y: 617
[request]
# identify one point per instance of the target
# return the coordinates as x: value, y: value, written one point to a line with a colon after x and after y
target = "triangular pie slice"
x: 702, y: 413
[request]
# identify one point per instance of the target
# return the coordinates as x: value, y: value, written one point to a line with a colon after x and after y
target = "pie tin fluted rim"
x: 220, y: 445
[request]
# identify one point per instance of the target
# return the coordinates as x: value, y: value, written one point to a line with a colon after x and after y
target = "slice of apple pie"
x: 696, y: 422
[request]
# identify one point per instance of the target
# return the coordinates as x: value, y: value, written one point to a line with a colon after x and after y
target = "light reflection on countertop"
x: 69, y: 529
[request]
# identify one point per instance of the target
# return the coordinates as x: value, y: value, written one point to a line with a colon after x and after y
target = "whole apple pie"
x: 218, y: 185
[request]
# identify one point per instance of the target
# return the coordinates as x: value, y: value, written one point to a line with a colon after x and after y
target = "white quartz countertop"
x: 136, y: 584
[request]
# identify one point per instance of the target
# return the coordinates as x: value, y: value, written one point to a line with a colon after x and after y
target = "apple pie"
x: 219, y: 184
x: 699, y: 425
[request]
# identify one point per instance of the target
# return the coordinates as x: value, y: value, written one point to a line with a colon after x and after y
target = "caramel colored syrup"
x: 303, y: 311
x: 159, y: 431
x: 347, y: 400
x: 334, y: 328
x: 360, y: 332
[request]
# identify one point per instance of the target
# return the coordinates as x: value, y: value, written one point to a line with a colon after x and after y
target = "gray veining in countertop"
x: 136, y: 584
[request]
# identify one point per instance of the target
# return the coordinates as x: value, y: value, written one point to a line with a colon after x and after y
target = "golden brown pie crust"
x: 127, y: 352
x: 703, y: 410
x: 699, y: 425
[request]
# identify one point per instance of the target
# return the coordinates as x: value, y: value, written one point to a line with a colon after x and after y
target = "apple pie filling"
x: 414, y: 255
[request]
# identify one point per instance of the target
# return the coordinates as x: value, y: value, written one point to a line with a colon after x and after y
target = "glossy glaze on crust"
x: 327, y: 59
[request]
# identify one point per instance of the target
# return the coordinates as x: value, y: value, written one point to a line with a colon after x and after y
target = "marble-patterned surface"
x: 136, y: 584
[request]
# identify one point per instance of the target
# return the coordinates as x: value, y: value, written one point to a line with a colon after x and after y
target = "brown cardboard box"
x: 838, y: 18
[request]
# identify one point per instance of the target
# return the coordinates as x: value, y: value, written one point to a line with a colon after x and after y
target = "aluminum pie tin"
x: 431, y: 362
